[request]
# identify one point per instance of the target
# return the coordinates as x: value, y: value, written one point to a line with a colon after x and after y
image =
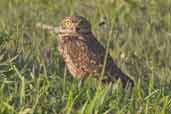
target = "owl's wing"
x: 111, y: 69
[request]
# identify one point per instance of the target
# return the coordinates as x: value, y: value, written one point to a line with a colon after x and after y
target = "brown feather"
x: 84, y: 56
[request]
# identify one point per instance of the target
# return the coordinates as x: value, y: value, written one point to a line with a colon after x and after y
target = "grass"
x: 33, y: 77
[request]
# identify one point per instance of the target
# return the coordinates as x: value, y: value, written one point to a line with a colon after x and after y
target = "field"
x: 33, y: 77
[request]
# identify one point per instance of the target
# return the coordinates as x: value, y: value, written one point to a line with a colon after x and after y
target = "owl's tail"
x: 115, y: 72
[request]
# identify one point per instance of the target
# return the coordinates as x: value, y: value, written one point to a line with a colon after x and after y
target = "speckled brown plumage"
x: 83, y: 54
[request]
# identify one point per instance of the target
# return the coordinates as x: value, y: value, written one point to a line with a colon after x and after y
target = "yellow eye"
x: 67, y: 23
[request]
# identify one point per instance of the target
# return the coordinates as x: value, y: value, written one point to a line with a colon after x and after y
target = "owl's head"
x: 74, y: 24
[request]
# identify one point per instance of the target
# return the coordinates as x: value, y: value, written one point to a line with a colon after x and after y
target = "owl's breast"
x: 77, y: 56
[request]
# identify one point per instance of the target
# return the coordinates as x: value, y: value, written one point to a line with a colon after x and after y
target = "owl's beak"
x: 48, y: 27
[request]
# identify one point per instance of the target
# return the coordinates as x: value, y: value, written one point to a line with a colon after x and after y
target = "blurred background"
x: 33, y: 76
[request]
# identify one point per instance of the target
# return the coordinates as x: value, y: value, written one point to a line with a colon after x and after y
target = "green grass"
x: 33, y: 78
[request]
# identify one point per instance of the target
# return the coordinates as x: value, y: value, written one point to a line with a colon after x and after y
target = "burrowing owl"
x: 84, y: 55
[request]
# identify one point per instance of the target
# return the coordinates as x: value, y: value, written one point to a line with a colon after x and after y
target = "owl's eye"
x: 67, y: 23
